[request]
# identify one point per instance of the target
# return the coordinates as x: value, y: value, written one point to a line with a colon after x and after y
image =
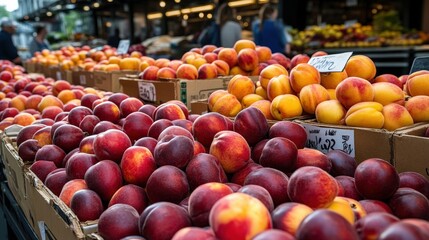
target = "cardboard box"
x: 55, y: 72
x: 109, y: 81
x: 410, y: 150
x: 199, y: 107
x: 83, y: 78
x: 362, y: 143
x: 50, y: 217
x: 66, y: 75
x: 30, y: 67
x: 39, y: 68
x: 161, y: 91
x: 14, y: 166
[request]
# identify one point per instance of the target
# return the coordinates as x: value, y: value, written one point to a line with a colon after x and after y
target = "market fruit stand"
x: 197, y: 167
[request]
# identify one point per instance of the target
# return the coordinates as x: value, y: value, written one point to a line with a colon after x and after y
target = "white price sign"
x: 330, y: 63
x: 147, y: 91
x: 82, y: 79
x: 327, y: 139
x: 123, y: 47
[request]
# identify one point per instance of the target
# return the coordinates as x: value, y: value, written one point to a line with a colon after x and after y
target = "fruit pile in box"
x: 159, y: 172
x: 354, y: 97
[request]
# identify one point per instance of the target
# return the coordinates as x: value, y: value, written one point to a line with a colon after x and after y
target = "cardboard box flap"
x: 13, y: 130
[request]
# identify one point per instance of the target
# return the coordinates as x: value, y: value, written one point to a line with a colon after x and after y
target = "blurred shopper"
x: 8, y: 50
x: 39, y: 42
x: 114, y: 39
x: 230, y: 30
x: 269, y: 32
x: 223, y: 32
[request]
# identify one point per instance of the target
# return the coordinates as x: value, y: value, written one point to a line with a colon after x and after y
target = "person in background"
x: 39, y: 42
x: 8, y: 50
x: 114, y: 39
x: 230, y: 30
x: 270, y: 32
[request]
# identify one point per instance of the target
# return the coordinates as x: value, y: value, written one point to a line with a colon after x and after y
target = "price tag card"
x: 327, y: 139
x: 82, y: 79
x: 331, y: 62
x: 59, y: 77
x: 147, y: 91
x: 420, y: 63
x: 123, y: 46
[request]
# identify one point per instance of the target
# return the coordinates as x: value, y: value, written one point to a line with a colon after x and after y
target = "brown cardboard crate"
x: 83, y: 78
x: 410, y: 151
x: 50, y: 216
x: 361, y: 143
x: 161, y: 91
x: 30, y: 67
x: 199, y: 107
x: 14, y: 166
x: 66, y: 75
x: 109, y: 81
x: 39, y: 68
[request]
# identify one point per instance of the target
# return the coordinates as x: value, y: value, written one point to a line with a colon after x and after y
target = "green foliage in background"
x: 387, y: 21
x: 70, y: 22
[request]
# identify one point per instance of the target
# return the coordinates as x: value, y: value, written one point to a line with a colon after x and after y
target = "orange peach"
x: 66, y: 95
x: 418, y: 107
x: 33, y: 101
x: 418, y: 83
x: 166, y: 73
x: 187, y: 71
x: 214, y: 96
x: 361, y: 66
x: 144, y: 64
x: 210, y: 57
x: 222, y: 67
x: 288, y: 216
x: 207, y: 71
x: 208, y: 49
x: 261, y: 92
x: 264, y: 53
x: 389, y: 78
x: 162, y: 62
x: 23, y: 119
x: 331, y: 80
x: 375, y: 105
x: 70, y: 188
x: 270, y: 72
x: 18, y: 102
x: 197, y: 62
x: 332, y: 95
x: 278, y: 85
x: 285, y: 106
x: 130, y: 63
x: 114, y: 59
x: 231, y: 149
x: 299, y: 58
x: 112, y: 67
x: 386, y: 92
x: 330, y: 112
x: 150, y: 73
x: 136, y: 54
x: 319, y: 53
x: 303, y: 74
x: 311, y: 95
x: 237, y: 70
x: 239, y: 216
x: 265, y: 107
x: 188, y: 56
x: 59, y: 86
x: 229, y: 55
x: 365, y: 117
x: 342, y: 206
x: 353, y: 90
x: 247, y: 59
x: 240, y: 86
x: 175, y: 64
x: 244, y: 43
x: 396, y: 116
x: 49, y: 100
x: 247, y: 100
x: 227, y: 105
